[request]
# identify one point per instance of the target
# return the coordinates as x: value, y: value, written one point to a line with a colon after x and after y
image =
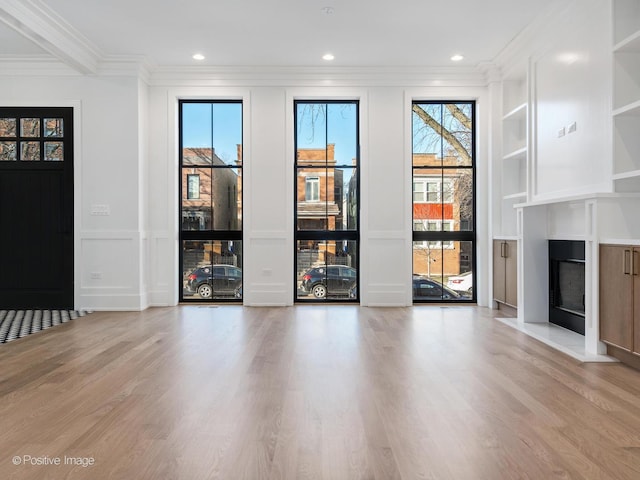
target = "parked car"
x: 461, y: 283
x: 426, y: 289
x: 330, y: 280
x: 215, y: 280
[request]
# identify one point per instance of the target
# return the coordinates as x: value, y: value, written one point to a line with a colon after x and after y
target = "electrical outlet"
x: 100, y: 210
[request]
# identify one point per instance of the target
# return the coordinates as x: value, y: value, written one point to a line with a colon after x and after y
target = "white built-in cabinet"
x: 511, y: 179
x: 515, y: 147
x: 607, y: 214
x: 620, y: 232
x: 626, y: 95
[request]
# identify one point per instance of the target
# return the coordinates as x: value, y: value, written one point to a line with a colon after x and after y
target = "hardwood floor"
x: 310, y: 392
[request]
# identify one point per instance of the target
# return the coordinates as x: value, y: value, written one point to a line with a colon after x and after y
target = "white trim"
x: 48, y: 30
x: 483, y: 253
x: 354, y: 77
x: 330, y: 94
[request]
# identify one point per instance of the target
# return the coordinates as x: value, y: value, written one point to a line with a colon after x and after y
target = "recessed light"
x: 457, y: 57
x: 328, y: 56
x: 198, y: 56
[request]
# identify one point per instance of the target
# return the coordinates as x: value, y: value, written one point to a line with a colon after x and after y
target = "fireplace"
x: 567, y: 284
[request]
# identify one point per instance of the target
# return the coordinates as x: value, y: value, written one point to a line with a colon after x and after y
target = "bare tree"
x: 454, y: 127
x: 452, y: 123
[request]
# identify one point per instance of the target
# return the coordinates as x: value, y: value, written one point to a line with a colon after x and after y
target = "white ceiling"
x: 408, y: 33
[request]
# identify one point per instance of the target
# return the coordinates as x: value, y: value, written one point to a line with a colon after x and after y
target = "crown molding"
x: 316, y: 76
x: 48, y: 65
x: 126, y: 66
x: 34, y: 65
x: 37, y: 22
x: 491, y: 71
x: 528, y: 40
x: 540, y: 36
x: 139, y: 67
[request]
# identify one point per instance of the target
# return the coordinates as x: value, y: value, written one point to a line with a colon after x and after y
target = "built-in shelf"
x: 628, y: 182
x: 519, y: 153
x: 520, y: 110
x: 626, y: 96
x: 512, y: 165
x: 629, y: 44
x: 631, y: 109
x: 515, y: 196
x: 625, y: 175
x: 575, y: 198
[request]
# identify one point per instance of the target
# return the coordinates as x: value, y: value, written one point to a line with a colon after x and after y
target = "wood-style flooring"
x: 310, y: 392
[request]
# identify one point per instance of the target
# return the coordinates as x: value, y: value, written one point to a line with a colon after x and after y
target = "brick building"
x: 442, y: 201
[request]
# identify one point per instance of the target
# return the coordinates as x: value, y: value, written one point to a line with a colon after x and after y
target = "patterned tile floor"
x: 16, y: 324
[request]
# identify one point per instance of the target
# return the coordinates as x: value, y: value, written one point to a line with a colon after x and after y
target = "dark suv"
x: 330, y: 280
x: 215, y: 280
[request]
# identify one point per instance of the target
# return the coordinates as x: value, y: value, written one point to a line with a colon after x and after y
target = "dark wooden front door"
x: 36, y: 207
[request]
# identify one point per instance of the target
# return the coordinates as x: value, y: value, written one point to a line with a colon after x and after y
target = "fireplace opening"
x: 567, y: 284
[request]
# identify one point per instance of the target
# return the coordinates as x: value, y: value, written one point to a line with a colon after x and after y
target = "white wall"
x: 573, y: 87
x: 106, y: 172
x: 127, y: 159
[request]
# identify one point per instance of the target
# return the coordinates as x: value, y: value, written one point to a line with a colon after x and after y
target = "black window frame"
x: 212, y: 234
x: 320, y: 235
x: 442, y: 235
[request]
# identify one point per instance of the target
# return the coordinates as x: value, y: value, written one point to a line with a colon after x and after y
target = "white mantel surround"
x: 595, y: 219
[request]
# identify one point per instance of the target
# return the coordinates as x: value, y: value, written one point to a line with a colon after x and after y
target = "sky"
x: 217, y: 124
x: 220, y: 125
x: 336, y: 124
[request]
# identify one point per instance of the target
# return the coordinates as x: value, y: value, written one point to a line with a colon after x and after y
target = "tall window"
x: 326, y: 200
x: 443, y: 201
x: 210, y: 200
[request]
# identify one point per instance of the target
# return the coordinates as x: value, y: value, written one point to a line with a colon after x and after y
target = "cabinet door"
x: 499, y: 279
x: 616, y: 295
x: 636, y: 300
x: 511, y: 273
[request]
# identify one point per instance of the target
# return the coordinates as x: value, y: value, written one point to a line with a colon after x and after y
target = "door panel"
x: 36, y: 210
x: 511, y: 273
x: 636, y: 300
x: 616, y: 301
x: 499, y: 292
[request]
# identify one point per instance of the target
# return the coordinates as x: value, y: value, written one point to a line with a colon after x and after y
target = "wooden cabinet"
x: 505, y: 272
x: 620, y: 296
